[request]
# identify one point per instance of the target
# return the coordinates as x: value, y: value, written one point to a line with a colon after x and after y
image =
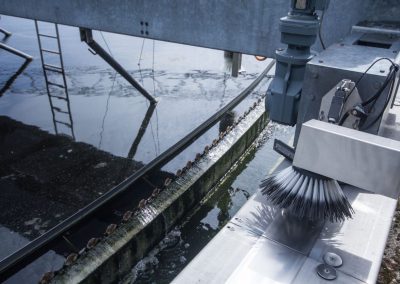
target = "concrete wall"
x: 116, y: 254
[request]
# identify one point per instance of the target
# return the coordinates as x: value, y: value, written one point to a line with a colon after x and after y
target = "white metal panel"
x: 368, y: 161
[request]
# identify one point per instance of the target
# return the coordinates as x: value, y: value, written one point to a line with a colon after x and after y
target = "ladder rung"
x: 65, y: 123
x: 58, y: 97
x: 52, y: 66
x: 50, y: 51
x: 50, y: 36
x: 60, y: 110
x: 55, y: 84
x: 53, y: 70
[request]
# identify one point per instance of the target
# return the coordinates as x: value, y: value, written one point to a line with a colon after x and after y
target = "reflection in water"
x: 56, y: 83
x: 142, y: 130
x: 10, y: 81
x: 156, y: 139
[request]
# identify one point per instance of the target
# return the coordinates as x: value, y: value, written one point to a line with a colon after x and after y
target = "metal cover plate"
x: 230, y: 246
x: 359, y: 241
x: 268, y: 262
x: 361, y: 159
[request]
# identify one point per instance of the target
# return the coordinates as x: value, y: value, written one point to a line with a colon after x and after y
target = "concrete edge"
x: 115, y: 255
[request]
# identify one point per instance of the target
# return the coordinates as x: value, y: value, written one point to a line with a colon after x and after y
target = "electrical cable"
x: 142, y: 82
x: 389, y: 78
x: 383, y: 108
x: 319, y: 30
x: 365, y: 72
x: 108, y: 97
x: 154, y: 95
x: 394, y: 67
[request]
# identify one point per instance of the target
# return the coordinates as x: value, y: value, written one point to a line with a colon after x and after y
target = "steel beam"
x: 5, y: 32
x: 249, y: 27
x: 87, y: 36
x: 16, y: 52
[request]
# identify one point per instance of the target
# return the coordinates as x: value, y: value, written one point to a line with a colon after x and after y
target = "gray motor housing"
x: 348, y: 59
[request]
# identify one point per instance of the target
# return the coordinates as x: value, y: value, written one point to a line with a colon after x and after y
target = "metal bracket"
x: 87, y: 36
x: 5, y: 32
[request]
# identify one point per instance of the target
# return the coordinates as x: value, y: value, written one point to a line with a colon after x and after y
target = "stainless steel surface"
x: 253, y: 252
x: 368, y: 161
x: 390, y: 127
x: 326, y: 271
x: 363, y: 29
x: 268, y: 262
x: 333, y: 259
x: 229, y: 248
x: 308, y: 274
x: 359, y: 241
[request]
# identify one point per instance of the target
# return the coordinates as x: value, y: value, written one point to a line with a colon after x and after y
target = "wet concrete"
x: 189, y: 237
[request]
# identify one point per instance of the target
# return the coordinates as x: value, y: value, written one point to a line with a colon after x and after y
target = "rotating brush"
x: 305, y: 194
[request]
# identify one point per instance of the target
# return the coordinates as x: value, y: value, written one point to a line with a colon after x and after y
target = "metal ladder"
x: 56, y: 91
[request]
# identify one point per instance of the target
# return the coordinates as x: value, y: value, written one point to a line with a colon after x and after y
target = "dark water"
x: 165, y: 262
x: 189, y: 83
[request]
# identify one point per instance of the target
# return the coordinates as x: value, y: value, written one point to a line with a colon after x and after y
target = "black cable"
x: 393, y: 67
x: 319, y: 30
x: 344, y: 117
x: 365, y: 72
x: 383, y: 108
x: 388, y: 79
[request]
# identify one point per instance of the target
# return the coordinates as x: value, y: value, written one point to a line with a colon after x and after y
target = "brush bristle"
x: 307, y: 195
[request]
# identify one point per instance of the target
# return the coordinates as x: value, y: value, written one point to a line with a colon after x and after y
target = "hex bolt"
x: 156, y: 192
x: 215, y: 142
x: 71, y: 258
x: 206, y: 149
x: 178, y: 173
x: 167, y: 182
x: 198, y: 157
x: 127, y: 215
x: 254, y: 105
x: 230, y: 228
x: 47, y: 277
x: 189, y: 164
x: 110, y: 229
x: 92, y: 243
x: 142, y: 204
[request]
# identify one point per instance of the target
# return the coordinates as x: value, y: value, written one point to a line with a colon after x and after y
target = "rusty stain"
x: 127, y: 215
x: 110, y: 229
x: 142, y: 203
x: 167, y: 182
x: 71, y: 258
x: 47, y: 277
x: 92, y: 243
